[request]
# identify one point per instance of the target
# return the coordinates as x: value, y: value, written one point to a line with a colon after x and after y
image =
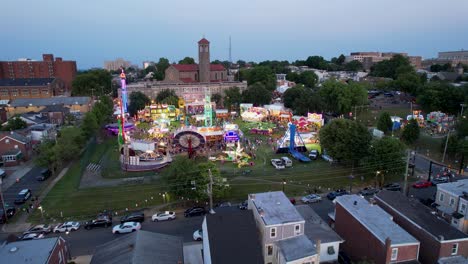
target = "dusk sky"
x: 92, y: 31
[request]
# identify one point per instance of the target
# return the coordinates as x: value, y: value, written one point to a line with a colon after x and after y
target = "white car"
x: 126, y: 227
x: 277, y: 163
x: 67, y: 226
x: 163, y: 216
x: 311, y: 198
x: 198, y: 235
x: 32, y: 236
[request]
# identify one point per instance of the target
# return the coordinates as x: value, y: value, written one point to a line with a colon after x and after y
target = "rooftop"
x: 296, y: 248
x: 456, y: 188
x: 375, y: 219
x: 14, y: 135
x: 26, y: 82
x: 29, y: 251
x: 23, y: 102
x: 140, y: 247
x: 275, y: 208
x: 229, y: 230
x: 420, y: 215
x: 194, y: 67
x: 315, y: 228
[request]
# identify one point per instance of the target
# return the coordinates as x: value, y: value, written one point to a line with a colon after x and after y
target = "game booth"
x: 155, y: 112
x: 254, y: 114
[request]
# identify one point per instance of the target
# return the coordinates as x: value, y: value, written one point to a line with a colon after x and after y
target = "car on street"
x: 313, y: 154
x: 438, y: 180
x: 392, y: 187
x: 10, y: 212
x: 198, y: 235
x: 133, y: 217
x: 243, y: 205
x: 311, y: 198
x: 223, y: 204
x: 194, y: 211
x: 126, y: 227
x: 422, y: 184
x: 45, y: 173
x: 23, y: 196
x: 277, y: 163
x: 368, y: 191
x: 32, y: 236
x: 41, y: 229
x: 163, y: 216
x: 98, y: 222
x: 334, y: 194
x: 67, y: 227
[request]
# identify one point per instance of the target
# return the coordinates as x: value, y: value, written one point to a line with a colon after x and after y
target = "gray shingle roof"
x: 315, y: 228
x: 140, y: 247
x: 375, y: 219
x: 276, y: 207
x: 456, y: 188
x: 15, y: 135
x: 296, y: 248
x: 23, y: 102
x: 26, y: 82
x: 30, y: 251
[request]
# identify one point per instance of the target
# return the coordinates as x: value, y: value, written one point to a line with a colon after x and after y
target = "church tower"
x: 204, y: 60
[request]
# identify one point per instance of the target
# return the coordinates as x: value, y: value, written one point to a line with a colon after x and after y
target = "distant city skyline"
x: 93, y: 32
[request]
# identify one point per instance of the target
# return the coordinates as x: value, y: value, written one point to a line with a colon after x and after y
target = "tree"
x: 353, y: 65
x: 316, y: 62
x: 69, y: 142
x: 15, y: 123
x: 341, y: 97
x: 390, y: 68
x: 187, y: 60
x: 232, y: 98
x: 47, y: 156
x: 310, y: 101
x: 293, y: 77
x: 308, y: 78
x: 291, y: 94
x: 384, y: 123
x: 103, y: 110
x: 338, y: 61
x: 217, y: 98
x: 165, y: 94
x: 409, y: 82
x: 92, y: 83
x: 161, y: 67
x: 257, y: 94
x: 411, y: 132
x: 138, y: 101
x: 441, y: 96
x: 345, y: 140
x: 90, y: 124
x: 262, y: 74
x: 386, y: 156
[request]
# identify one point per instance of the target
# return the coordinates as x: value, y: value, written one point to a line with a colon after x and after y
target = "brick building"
x: 47, y: 68
x: 369, y: 232
x: 368, y: 59
x: 439, y: 240
x: 203, y: 72
x: 52, y: 250
x: 75, y: 105
x: 14, y: 148
x: 11, y: 89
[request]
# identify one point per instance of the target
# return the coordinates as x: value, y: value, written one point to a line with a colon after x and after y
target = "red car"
x: 422, y: 184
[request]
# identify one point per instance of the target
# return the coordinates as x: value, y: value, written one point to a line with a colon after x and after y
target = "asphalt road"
x: 28, y: 181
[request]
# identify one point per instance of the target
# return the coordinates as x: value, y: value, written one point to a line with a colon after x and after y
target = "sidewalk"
x: 20, y: 224
x: 19, y: 172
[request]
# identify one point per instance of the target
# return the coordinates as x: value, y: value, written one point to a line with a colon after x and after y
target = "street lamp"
x: 284, y: 183
x: 42, y: 212
x: 164, y: 197
x: 376, y: 175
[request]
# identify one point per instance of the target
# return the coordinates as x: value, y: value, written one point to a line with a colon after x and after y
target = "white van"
x: 287, y: 162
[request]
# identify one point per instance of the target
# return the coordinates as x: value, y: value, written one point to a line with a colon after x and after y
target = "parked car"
x: 32, y: 236
x: 339, y: 192
x: 328, y: 158
x: 67, y: 226
x: 388, y: 95
x: 286, y: 161
x: 277, y: 163
x: 98, y: 222
x: 422, y: 184
x: 198, y: 235
x: 197, y: 210
x: 167, y: 215
x: 243, y: 205
x: 3, y: 174
x: 10, y: 212
x: 42, y: 229
x: 45, y: 173
x: 223, y: 204
x: 133, y: 217
x: 313, y: 154
x: 126, y: 227
x: 311, y: 198
x: 392, y: 187
x: 23, y: 196
x: 368, y: 191
x: 438, y: 180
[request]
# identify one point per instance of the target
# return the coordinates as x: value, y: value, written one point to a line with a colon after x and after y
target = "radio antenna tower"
x: 230, y: 50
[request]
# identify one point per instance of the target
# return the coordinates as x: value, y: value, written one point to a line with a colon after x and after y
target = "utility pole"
x: 405, y: 185
x: 445, y: 148
x: 210, y: 191
x: 3, y: 202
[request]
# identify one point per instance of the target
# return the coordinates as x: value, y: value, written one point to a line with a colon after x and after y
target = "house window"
x: 7, y: 141
x: 455, y: 221
x: 25, y: 91
x: 34, y: 92
x: 331, y: 250
x: 454, y: 249
x: 4, y: 92
x: 273, y: 232
x: 452, y: 201
x: 462, y: 208
x: 297, y: 229
x: 14, y: 92
x: 441, y: 197
x: 394, y: 254
x: 269, y: 250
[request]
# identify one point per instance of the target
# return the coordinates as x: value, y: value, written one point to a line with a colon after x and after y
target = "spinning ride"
x: 189, y: 140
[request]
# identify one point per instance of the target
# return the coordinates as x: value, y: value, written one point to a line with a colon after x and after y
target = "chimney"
x: 388, y: 247
x: 355, y: 203
x: 318, y: 245
x: 58, y: 59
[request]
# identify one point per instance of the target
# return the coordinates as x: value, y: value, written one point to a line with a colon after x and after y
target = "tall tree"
x: 138, y: 101
x: 92, y: 83
x: 15, y: 123
x: 353, y: 65
x: 257, y: 94
x: 187, y: 60
x: 164, y: 94
x: 161, y: 67
x: 316, y: 62
x: 411, y: 132
x: 345, y: 140
x: 264, y: 75
x: 386, y: 156
x: 342, y: 97
x: 384, y: 123
x: 291, y: 94
x: 391, y: 68
x: 232, y: 98
x: 308, y: 78
x: 441, y: 96
x: 90, y: 124
x: 217, y: 98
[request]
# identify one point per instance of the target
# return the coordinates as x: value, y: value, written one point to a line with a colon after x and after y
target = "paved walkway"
x: 19, y: 172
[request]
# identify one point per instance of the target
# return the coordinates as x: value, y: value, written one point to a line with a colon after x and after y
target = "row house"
x: 452, y: 202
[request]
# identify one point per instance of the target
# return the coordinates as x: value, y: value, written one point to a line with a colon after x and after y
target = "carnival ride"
x: 123, y: 84
x: 292, y: 142
x: 190, y: 139
x: 115, y: 127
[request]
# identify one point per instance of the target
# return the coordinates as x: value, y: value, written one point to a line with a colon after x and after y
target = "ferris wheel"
x: 189, y: 140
